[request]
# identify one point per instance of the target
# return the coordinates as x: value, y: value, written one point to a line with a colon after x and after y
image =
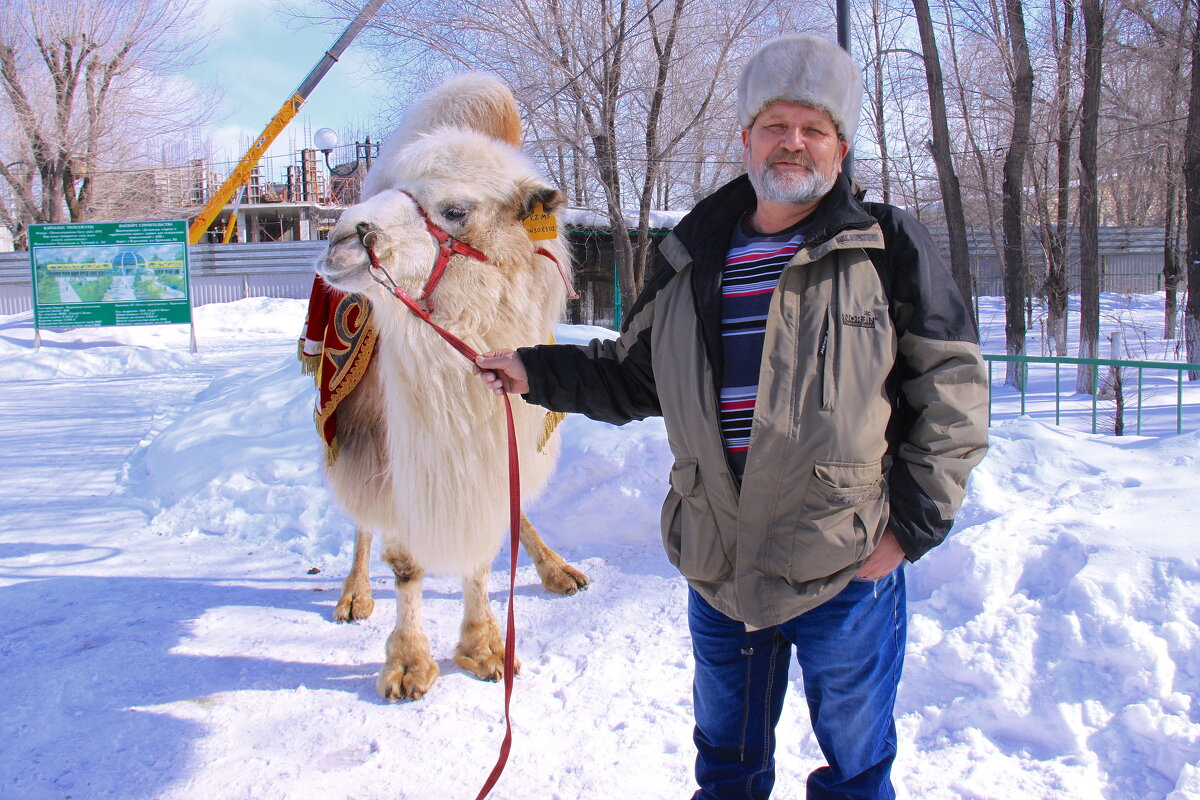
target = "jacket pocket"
x: 689, y: 531
x: 842, y: 510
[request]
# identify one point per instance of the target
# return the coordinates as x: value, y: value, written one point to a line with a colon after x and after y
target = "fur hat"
x: 803, y: 69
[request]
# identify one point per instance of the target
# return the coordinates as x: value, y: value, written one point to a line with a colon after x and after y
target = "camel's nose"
x: 368, y: 234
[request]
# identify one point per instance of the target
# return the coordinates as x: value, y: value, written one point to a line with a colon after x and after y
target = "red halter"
x: 447, y: 246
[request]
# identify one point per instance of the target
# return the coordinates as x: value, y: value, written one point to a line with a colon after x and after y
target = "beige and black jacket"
x: 871, y: 410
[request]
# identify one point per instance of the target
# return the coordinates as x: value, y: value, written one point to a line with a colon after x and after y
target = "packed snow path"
x: 161, y: 636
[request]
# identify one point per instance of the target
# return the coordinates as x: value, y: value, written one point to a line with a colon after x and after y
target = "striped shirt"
x: 752, y: 269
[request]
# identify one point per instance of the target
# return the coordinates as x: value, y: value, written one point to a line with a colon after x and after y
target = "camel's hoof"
x: 487, y: 666
x: 564, y: 579
x: 353, y: 606
x: 406, y: 682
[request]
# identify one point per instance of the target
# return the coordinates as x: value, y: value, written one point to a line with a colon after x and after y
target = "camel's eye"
x: 454, y: 213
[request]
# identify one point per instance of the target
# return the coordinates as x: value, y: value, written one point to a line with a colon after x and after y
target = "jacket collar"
x: 703, y: 235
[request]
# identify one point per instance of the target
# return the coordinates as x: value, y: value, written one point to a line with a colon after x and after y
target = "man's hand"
x: 502, y: 371
x: 883, y: 559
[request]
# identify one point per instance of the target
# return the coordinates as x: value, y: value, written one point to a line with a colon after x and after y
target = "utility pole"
x: 843, y: 35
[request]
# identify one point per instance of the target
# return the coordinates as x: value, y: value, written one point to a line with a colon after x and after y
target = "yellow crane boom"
x: 286, y: 113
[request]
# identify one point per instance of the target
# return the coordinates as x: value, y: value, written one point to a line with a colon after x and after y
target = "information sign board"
x: 110, y: 273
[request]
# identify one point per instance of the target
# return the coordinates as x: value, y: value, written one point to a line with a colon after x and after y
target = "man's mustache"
x: 798, y: 159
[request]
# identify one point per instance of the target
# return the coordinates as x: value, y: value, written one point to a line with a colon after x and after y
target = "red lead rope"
x: 514, y: 520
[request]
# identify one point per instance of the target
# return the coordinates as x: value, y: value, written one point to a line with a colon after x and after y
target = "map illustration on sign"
x: 110, y: 275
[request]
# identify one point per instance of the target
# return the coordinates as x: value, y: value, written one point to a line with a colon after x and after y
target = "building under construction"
x: 303, y: 207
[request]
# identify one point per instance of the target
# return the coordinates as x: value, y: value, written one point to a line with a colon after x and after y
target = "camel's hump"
x: 473, y: 100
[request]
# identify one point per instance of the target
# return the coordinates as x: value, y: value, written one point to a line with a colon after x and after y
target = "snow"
x: 585, y: 218
x: 161, y: 635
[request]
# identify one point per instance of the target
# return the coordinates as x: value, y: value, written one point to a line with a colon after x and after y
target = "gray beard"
x: 788, y: 189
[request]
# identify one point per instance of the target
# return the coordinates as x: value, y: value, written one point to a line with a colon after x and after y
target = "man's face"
x: 792, y: 153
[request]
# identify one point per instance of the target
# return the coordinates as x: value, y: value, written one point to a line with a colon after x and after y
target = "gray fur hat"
x: 803, y: 69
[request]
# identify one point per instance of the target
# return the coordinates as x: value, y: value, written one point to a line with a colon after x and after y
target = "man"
x: 824, y: 398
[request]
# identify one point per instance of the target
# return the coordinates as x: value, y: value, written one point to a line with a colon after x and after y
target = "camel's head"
x: 475, y: 188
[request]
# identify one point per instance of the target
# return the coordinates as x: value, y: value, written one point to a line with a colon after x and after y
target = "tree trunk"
x: 1173, y: 212
x: 956, y: 223
x: 877, y: 96
x: 604, y: 142
x: 664, y: 49
x: 981, y: 153
x: 1056, y: 288
x: 1016, y: 280
x: 1191, y: 171
x: 1170, y: 268
x: 1089, y: 204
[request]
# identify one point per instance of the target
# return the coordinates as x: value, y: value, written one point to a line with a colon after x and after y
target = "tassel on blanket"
x: 309, y: 362
x: 549, y: 424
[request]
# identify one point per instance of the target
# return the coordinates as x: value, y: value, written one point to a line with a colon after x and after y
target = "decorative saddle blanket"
x: 336, y: 347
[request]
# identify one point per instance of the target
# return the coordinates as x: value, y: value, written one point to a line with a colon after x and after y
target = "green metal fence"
x: 1097, y: 363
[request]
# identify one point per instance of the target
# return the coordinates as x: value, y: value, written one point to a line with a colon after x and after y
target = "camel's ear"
x: 530, y: 193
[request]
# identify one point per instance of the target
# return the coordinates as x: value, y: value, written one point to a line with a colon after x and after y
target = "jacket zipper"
x: 825, y: 363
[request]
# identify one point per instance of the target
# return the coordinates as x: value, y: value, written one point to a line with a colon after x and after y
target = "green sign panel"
x: 110, y: 273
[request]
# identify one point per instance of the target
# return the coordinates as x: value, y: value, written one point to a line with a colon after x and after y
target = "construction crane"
x: 289, y: 110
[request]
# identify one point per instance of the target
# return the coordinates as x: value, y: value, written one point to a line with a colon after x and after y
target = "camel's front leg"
x: 409, y: 671
x: 557, y: 575
x: 356, y: 601
x: 480, y: 648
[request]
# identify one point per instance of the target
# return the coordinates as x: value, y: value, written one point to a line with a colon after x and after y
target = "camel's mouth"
x: 346, y: 264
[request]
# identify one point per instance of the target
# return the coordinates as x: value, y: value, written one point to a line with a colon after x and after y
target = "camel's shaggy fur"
x: 422, y: 451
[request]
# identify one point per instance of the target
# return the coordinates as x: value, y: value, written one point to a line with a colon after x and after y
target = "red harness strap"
x: 571, y: 293
x: 514, y: 497
x: 447, y: 246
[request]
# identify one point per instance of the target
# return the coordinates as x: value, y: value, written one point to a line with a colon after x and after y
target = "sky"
x: 257, y: 58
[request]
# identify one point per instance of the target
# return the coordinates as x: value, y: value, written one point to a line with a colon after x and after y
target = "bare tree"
x: 1016, y: 272
x: 1055, y: 233
x: 78, y: 99
x: 878, y: 30
x: 956, y: 224
x: 1089, y: 207
x: 627, y: 101
x: 1169, y: 30
x: 977, y: 57
x: 659, y: 147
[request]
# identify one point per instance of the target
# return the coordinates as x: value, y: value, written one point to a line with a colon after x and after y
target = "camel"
x: 421, y: 445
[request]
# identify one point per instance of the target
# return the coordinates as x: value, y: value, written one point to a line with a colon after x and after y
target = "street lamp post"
x: 325, y: 139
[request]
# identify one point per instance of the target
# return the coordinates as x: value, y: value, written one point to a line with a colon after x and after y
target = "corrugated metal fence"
x: 1130, y: 261
x: 219, y: 272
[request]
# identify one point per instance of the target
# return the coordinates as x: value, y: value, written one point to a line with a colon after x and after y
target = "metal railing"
x: 1096, y: 363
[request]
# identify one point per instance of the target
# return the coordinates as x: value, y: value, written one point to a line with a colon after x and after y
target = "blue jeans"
x: 850, y: 650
